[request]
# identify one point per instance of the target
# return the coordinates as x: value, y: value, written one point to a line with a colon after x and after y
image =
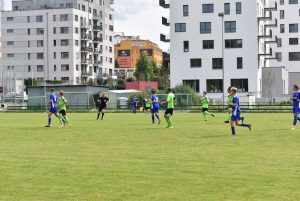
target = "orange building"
x: 127, y: 53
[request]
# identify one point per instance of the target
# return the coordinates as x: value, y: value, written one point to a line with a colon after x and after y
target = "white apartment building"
x: 63, y: 40
x: 245, y: 43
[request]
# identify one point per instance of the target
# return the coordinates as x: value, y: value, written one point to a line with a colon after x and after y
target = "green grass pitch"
x: 124, y: 157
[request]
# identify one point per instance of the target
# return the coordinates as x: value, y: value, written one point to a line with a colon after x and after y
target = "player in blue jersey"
x: 296, y: 105
x: 236, y: 112
x: 53, y: 108
x: 134, y: 104
x: 155, y: 107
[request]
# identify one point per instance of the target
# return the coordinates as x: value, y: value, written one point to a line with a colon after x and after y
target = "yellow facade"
x: 128, y: 52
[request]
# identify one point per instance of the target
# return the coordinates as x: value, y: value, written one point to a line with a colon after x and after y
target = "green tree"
x: 144, y: 69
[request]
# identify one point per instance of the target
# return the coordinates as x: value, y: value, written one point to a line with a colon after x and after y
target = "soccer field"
x: 124, y: 157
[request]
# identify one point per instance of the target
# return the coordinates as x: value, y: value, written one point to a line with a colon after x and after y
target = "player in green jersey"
x: 147, y: 105
x: 205, y: 103
x: 170, y: 108
x: 62, y: 103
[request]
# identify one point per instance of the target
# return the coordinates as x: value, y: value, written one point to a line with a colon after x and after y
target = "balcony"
x: 86, y: 37
x: 98, y: 51
x: 97, y: 17
x: 272, y: 24
x: 271, y: 7
x: 86, y: 49
x: 86, y: 61
x: 164, y: 38
x: 270, y: 53
x: 86, y: 74
x: 165, y: 21
x: 97, y: 39
x: 84, y: 26
x: 265, y: 35
x: 266, y: 17
x: 272, y: 41
x: 97, y: 28
x: 164, y: 3
x: 98, y: 63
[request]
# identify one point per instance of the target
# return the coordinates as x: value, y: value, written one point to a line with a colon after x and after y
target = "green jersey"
x: 62, y: 103
x: 230, y: 98
x: 170, y: 101
x: 147, y: 102
x: 205, y: 102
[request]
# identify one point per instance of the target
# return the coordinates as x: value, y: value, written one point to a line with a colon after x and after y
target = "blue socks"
x: 49, y: 121
x: 233, y: 130
x: 295, y: 120
x: 157, y: 116
x: 153, y: 118
x: 245, y: 125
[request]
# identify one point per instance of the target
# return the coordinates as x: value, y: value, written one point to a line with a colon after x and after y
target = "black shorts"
x: 169, y: 111
x: 204, y: 109
x: 101, y: 108
x: 63, y: 112
x: 147, y: 108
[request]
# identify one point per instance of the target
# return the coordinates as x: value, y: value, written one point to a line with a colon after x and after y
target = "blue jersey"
x: 54, y: 100
x: 296, y: 98
x: 135, y: 102
x: 236, y: 110
x: 154, y: 99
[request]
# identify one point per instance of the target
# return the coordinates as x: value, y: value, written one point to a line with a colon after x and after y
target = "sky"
x: 137, y: 17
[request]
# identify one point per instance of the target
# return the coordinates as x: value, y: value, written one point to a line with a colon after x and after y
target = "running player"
x: 155, y: 108
x: 102, y: 101
x: 52, y: 108
x: 296, y: 105
x: 134, y: 104
x: 170, y: 108
x: 205, y: 103
x: 229, y: 109
x: 62, y: 103
x: 236, y: 111
x: 147, y: 106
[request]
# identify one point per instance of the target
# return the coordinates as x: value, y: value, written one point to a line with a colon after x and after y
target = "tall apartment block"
x: 64, y: 40
x: 253, y: 42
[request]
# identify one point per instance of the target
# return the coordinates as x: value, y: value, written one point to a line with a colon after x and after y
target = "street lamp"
x: 221, y: 15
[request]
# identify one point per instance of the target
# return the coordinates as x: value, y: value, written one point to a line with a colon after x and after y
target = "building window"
x: 279, y: 42
x: 10, y: 43
x: 281, y: 14
x: 9, y: 19
x: 217, y: 63
x: 40, y: 56
x: 195, y: 63
x: 239, y: 63
x: 214, y: 86
x: 238, y: 9
x: 9, y: 31
x: 278, y: 56
x: 186, y: 46
x: 205, y: 27
x: 69, y: 5
x: 240, y: 84
x: 77, y: 67
x: 207, y: 8
x: 64, y: 30
x: 230, y: 26
x: 28, y: 19
x: 194, y: 84
x: 180, y: 27
x: 65, y: 55
x: 208, y: 44
x: 65, y: 67
x: 28, y: 56
x: 293, y: 41
x: 234, y: 43
x: 54, y: 18
x: 29, y: 68
x: 54, y: 43
x: 39, y: 68
x: 64, y: 42
x: 293, y: 1
x: 54, y: 30
x: 76, y: 18
x: 281, y: 2
x: 282, y: 28
x: 39, y: 18
x: 226, y: 8
x: 64, y: 17
x: 54, y: 68
x: 293, y: 28
x: 40, y: 43
x: 39, y: 31
x: 294, y: 56
x: 185, y: 10
x: 54, y: 55
x: 76, y: 43
x: 10, y: 55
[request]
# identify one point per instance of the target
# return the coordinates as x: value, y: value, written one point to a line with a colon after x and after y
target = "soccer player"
x: 52, y: 108
x: 170, y: 108
x: 236, y: 112
x: 296, y: 105
x: 229, y: 109
x: 155, y: 108
x: 62, y: 103
x: 147, y: 106
x: 205, y: 104
x: 102, y: 101
x: 134, y: 104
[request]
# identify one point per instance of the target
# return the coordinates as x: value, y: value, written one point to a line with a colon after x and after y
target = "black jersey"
x: 103, y: 102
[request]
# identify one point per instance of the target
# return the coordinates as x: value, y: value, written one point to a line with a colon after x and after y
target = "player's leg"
x: 167, y: 118
x: 99, y: 111
x: 49, y: 119
x: 204, y: 110
x: 242, y: 124
x: 209, y: 113
x: 232, y: 124
x: 152, y: 116
x: 157, y: 116
x: 61, y: 118
x: 102, y: 114
x: 229, y: 112
x: 295, y: 119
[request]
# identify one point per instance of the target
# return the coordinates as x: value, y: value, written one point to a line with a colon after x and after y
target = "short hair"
x: 52, y: 90
x: 205, y: 92
x: 229, y: 88
x: 61, y: 93
x: 169, y: 89
x: 296, y: 87
x: 153, y: 92
x: 234, y: 89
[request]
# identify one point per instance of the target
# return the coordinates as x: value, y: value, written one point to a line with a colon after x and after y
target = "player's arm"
x: 234, y: 103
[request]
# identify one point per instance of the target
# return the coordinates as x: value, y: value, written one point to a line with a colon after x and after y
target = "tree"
x: 117, y: 64
x: 144, y: 69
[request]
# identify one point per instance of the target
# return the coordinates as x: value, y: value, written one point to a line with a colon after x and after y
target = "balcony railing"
x: 164, y: 3
x: 97, y: 39
x: 265, y: 35
x: 87, y: 49
x: 272, y: 24
x: 164, y: 38
x: 265, y: 53
x: 165, y: 21
x: 96, y: 27
x: 97, y: 17
x: 266, y: 17
x: 86, y: 37
x: 98, y: 51
x: 86, y: 74
x: 271, y: 7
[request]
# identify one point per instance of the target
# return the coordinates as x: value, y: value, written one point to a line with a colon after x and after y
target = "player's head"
x: 61, y: 93
x: 296, y: 87
x: 229, y: 89
x: 204, y: 93
x: 153, y: 92
x: 51, y: 90
x: 233, y: 90
x: 102, y: 94
x: 169, y: 90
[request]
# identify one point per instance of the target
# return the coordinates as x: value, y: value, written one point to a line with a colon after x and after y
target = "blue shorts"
x: 236, y: 117
x: 296, y: 110
x: 155, y: 109
x: 53, y: 110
